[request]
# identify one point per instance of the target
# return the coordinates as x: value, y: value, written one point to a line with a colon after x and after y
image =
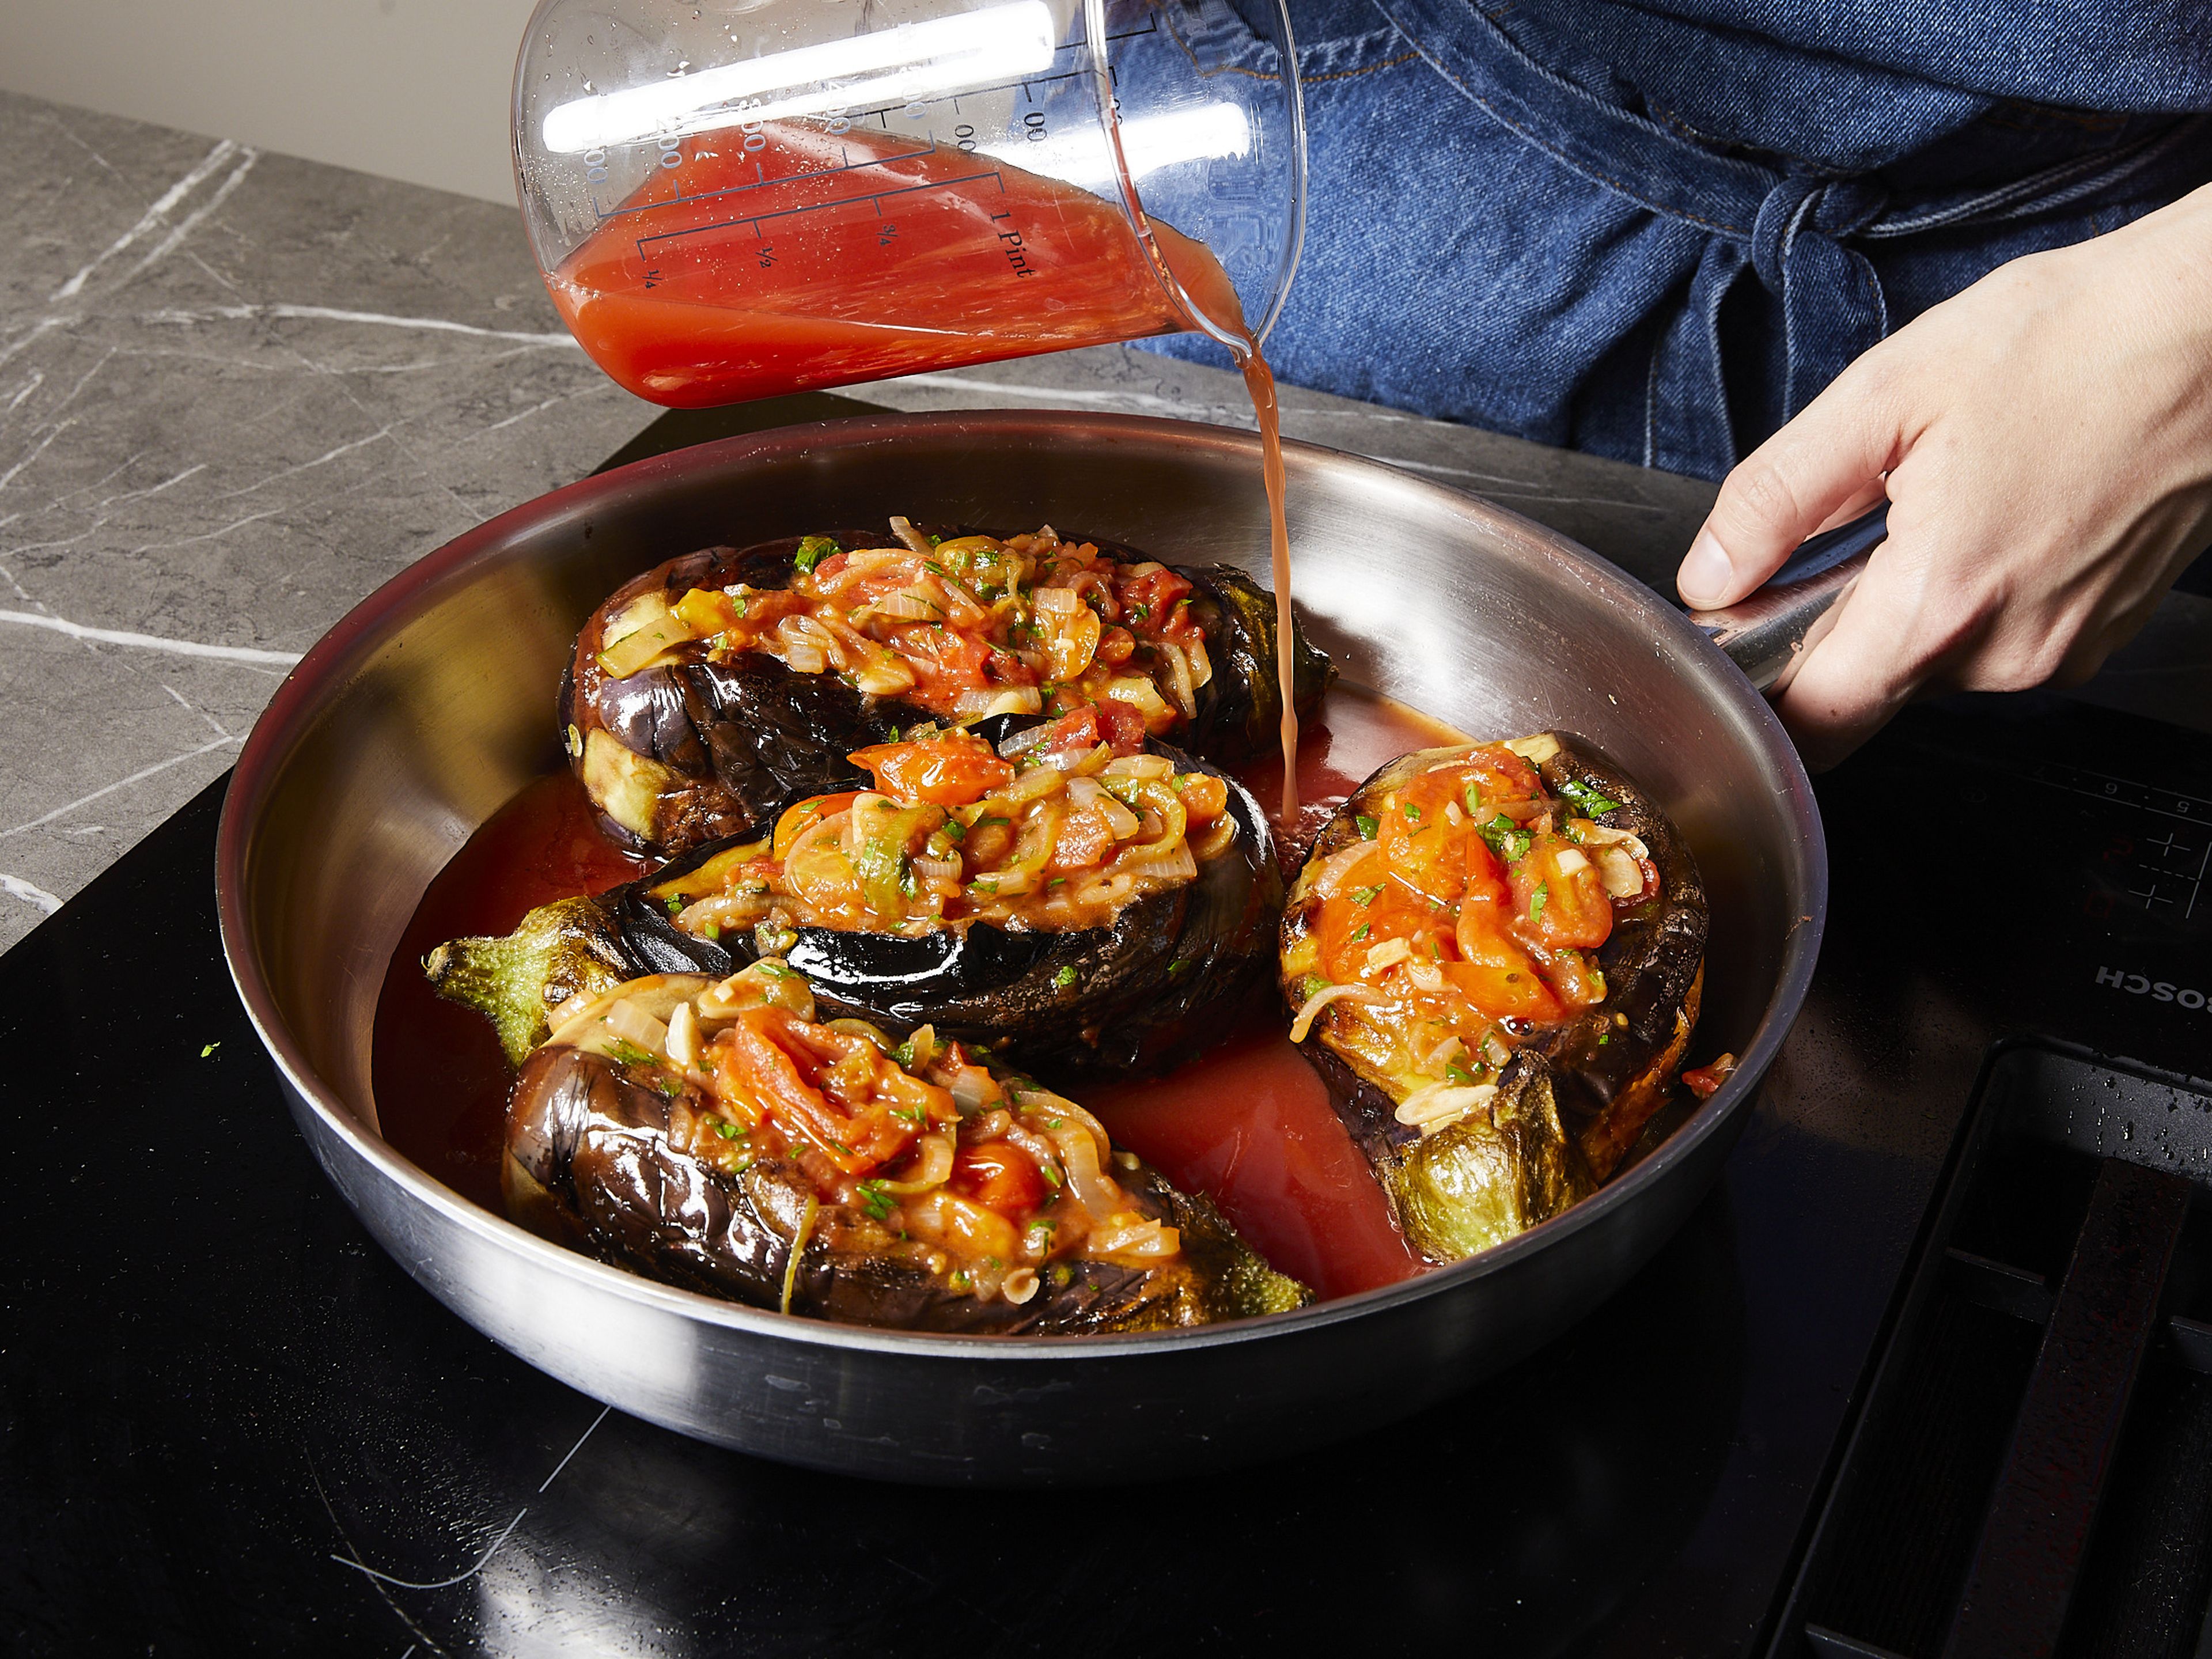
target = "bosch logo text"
x: 2158, y: 990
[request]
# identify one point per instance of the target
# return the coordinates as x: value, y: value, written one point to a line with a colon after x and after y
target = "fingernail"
x: 1706, y: 571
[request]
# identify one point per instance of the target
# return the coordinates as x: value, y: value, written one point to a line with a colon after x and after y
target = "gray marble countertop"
x: 237, y: 390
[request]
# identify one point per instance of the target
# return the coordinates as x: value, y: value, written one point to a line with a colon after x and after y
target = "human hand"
x: 2044, y: 440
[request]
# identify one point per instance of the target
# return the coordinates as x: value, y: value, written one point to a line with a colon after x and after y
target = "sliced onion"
x: 1019, y: 1286
x: 1005, y: 700
x: 927, y: 868
x: 1201, y: 665
x: 934, y: 1169
x: 1171, y: 868
x: 1139, y: 766
x: 1442, y: 1104
x: 1311, y: 1009
x: 1034, y: 785
x: 1329, y: 876
x: 684, y: 1035
x: 1179, y: 687
x: 1020, y: 743
x: 1619, y: 874
x: 904, y: 530
x: 1129, y: 1235
x: 885, y: 676
x: 1387, y: 953
x: 1057, y: 601
x: 905, y: 605
x: 633, y: 1024
x: 970, y: 1089
x: 1079, y: 1156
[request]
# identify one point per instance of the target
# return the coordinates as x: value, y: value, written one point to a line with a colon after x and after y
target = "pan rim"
x: 326, y: 668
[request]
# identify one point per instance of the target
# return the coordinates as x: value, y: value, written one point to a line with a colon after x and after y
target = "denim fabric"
x: 1532, y: 246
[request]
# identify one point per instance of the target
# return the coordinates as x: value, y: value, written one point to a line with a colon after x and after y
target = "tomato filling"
x: 965, y: 628
x: 1466, y: 916
x: 921, y: 1148
x: 1060, y: 833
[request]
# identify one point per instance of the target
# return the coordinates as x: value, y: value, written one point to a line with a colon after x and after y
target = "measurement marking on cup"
x: 876, y: 198
x: 681, y: 200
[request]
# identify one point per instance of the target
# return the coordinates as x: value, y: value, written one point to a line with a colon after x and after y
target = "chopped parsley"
x: 1458, y: 1073
x: 904, y: 1053
x: 1363, y: 896
x: 727, y: 1130
x: 1413, y: 813
x: 913, y: 1115
x: 1471, y: 796
x: 1065, y: 977
x: 875, y: 1200
x: 1051, y: 1176
x: 774, y: 969
x: 629, y: 1053
x: 1177, y: 967
x: 813, y: 549
x: 909, y: 884
x: 1537, y: 899
x: 1359, y: 932
x: 210, y: 1049
x: 675, y: 901
x: 1061, y: 1274
x: 1506, y: 838
x: 711, y: 931
x: 1366, y: 826
x: 666, y: 1085
x: 1588, y: 799
x: 955, y: 829
x: 891, y: 736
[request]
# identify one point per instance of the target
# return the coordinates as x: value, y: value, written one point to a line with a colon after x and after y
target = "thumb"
x: 1824, y: 467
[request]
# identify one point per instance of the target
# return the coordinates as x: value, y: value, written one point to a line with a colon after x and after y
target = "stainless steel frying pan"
x: 429, y: 705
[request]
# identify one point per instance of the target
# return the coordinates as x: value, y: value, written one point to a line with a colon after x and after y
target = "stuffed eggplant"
x: 719, y: 686
x: 1074, y: 901
x: 1495, y: 952
x: 719, y: 1136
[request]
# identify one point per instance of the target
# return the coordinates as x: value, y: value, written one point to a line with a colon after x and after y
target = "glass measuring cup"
x: 735, y: 200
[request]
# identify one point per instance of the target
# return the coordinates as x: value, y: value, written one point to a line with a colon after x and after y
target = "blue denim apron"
x: 1494, y: 240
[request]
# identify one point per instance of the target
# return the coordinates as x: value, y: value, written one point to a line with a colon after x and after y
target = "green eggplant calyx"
x: 1490, y: 1176
x: 559, y: 950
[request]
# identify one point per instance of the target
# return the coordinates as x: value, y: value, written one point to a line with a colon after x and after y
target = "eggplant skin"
x: 692, y: 752
x: 1175, y: 972
x: 591, y: 1164
x: 720, y: 743
x: 1576, y: 1097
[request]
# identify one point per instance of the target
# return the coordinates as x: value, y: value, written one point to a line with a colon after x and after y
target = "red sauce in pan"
x: 1250, y: 1125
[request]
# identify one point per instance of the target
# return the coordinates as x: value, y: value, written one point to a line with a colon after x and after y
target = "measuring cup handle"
x: 1766, y: 634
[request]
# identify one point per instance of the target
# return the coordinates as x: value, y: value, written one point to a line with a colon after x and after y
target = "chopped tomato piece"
x: 1558, y: 898
x: 798, y: 820
x: 1149, y: 600
x: 1204, y: 797
x: 1073, y: 734
x: 1121, y: 725
x: 1704, y: 1081
x: 998, y: 1175
x: 1114, y: 646
x: 953, y: 770
x: 946, y: 662
x: 1087, y: 838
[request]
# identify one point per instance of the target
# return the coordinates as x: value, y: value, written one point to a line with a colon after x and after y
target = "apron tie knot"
x: 1829, y: 208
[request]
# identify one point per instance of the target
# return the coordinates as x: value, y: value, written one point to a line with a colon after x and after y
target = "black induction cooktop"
x: 230, y: 1424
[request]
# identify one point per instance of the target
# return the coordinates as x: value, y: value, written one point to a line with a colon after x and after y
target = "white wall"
x: 413, y: 89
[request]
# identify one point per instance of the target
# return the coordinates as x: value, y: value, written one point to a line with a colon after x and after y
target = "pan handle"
x: 1766, y: 634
